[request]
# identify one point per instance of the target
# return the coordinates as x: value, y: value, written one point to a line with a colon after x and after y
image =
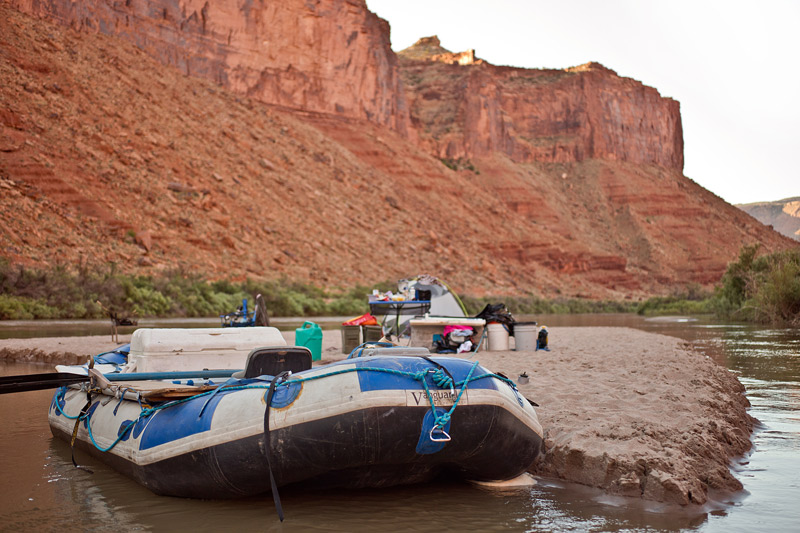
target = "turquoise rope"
x: 438, y: 377
x: 60, y: 410
x: 441, y: 421
x: 91, y: 436
x: 442, y: 380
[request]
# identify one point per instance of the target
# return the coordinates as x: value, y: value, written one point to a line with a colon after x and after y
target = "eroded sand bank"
x: 633, y: 413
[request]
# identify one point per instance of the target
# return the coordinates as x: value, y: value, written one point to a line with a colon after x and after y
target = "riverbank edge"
x: 635, y: 414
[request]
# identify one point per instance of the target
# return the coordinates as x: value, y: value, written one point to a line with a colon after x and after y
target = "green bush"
x: 669, y: 305
x: 147, y: 301
x: 778, y: 296
x: 693, y: 300
x: 763, y: 289
x: 22, y: 308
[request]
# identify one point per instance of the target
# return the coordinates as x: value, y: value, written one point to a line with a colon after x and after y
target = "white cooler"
x: 177, y: 350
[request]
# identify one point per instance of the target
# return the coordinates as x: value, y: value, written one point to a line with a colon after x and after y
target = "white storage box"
x: 423, y: 329
x: 171, y: 350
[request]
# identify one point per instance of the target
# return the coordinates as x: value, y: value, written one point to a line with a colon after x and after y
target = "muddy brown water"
x: 42, y: 491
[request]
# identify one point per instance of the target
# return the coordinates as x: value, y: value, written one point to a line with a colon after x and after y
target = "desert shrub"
x: 692, y: 300
x: 671, y: 305
x: 737, y: 283
x: 189, y: 295
x: 144, y: 300
x: 22, y: 308
x: 762, y: 289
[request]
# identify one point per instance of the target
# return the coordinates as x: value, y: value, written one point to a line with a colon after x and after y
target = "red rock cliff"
x: 474, y: 108
x: 328, y: 56
x: 109, y: 157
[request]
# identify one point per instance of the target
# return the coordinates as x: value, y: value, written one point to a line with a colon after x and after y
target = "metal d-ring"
x: 442, y: 431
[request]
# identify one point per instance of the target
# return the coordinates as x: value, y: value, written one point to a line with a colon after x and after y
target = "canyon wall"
x: 326, y: 56
x: 334, y: 57
x: 572, y: 186
x: 472, y: 109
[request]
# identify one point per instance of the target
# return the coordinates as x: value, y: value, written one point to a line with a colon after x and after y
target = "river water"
x: 41, y: 490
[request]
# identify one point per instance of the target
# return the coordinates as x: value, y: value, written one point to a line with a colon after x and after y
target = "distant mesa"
x: 590, y: 66
x: 782, y: 215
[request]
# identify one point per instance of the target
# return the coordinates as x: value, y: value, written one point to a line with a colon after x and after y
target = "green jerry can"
x: 310, y: 336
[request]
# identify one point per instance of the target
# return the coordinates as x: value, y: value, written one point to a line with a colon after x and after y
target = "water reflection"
x: 106, y: 500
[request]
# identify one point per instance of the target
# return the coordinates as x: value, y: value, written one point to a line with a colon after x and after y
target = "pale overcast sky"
x: 732, y: 65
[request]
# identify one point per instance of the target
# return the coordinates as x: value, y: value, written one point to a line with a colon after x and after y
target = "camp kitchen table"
x: 385, y: 308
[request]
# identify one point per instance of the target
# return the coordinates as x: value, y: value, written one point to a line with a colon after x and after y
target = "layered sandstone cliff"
x: 328, y: 56
x: 466, y: 108
x: 109, y: 157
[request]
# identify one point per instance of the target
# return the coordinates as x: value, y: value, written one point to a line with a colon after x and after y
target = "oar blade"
x: 31, y: 382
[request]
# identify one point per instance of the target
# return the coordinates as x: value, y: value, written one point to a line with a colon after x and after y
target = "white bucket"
x: 497, y: 337
x: 525, y: 336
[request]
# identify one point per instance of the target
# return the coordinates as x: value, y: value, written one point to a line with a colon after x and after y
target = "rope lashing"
x: 119, y: 438
x: 438, y: 377
x: 442, y: 420
x: 121, y: 393
x: 442, y: 380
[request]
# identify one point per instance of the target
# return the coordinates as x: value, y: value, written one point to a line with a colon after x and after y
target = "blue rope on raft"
x: 442, y: 380
x: 439, y: 378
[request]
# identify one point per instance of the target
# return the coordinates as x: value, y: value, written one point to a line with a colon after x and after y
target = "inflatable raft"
x: 371, y: 421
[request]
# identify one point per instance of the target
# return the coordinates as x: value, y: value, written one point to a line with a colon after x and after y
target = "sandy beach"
x: 633, y: 413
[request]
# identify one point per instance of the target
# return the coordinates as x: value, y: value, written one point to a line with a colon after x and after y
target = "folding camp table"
x: 386, y: 308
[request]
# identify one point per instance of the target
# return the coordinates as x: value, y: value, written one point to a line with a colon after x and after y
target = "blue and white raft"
x: 373, y: 421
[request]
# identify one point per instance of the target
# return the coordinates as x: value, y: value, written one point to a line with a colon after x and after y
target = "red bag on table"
x: 363, y: 320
